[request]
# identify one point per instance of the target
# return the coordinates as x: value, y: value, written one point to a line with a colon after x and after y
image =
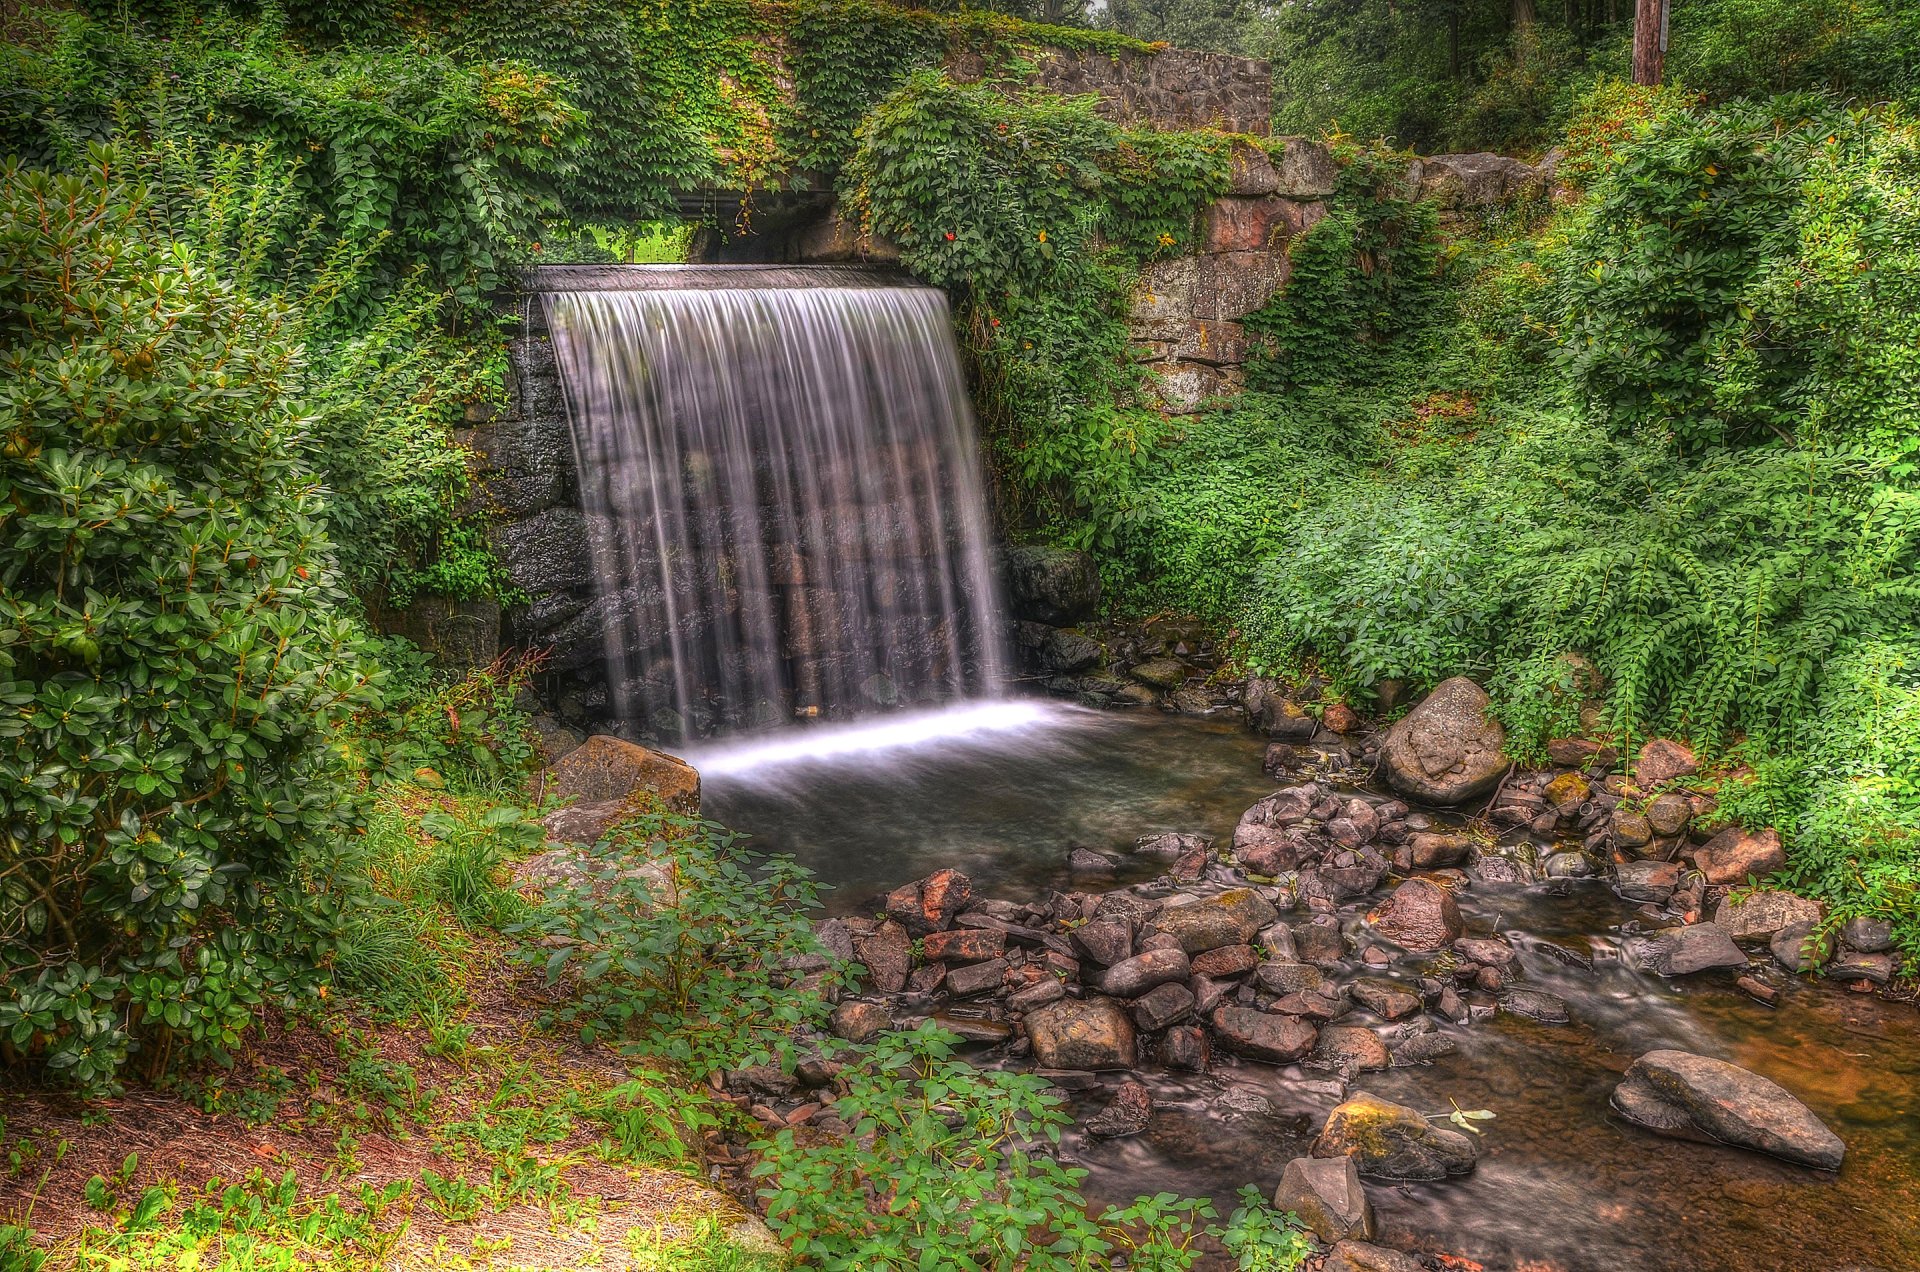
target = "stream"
x: 1562, y: 1185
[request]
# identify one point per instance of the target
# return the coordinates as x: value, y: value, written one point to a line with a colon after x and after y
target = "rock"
x: 858, y: 1022
x: 1669, y: 814
x: 1356, y: 826
x: 835, y: 939
x: 1733, y: 856
x: 553, y: 740
x: 1186, y: 1047
x: 1482, y: 180
x: 1259, y: 1035
x: 1869, y: 936
x: 1535, y: 1004
x: 1677, y: 1092
x: 1798, y: 949
x: 929, y: 904
x: 1091, y: 1033
x: 963, y: 945
x: 1579, y: 753
x: 1341, y: 718
x: 1068, y: 652
x: 1386, y: 999
x: 1319, y: 943
x: 1161, y: 673
x: 1390, y: 1141
x: 1569, y: 865
x: 1288, y: 978
x: 1360, y: 1256
x: 1681, y: 951
x: 1630, y: 829
x: 1758, y: 915
x: 1652, y: 881
x: 1432, y: 851
x: 1859, y: 965
x: 1420, y: 915
x: 1485, y: 950
x: 1349, y: 1049
x: 1226, y: 962
x: 1105, y: 941
x: 1161, y: 1006
x: 606, y: 768
x: 887, y: 954
x: 1272, y: 712
x: 585, y: 823
x: 1085, y: 861
x: 1172, y: 846
x: 1126, y: 1114
x: 1131, y: 977
x: 1233, y: 917
x: 971, y: 979
x: 1055, y: 586
x: 1446, y: 750
x: 1422, y: 1049
x: 1567, y: 792
x: 1327, y: 1196
x: 1663, y: 760
x: 1037, y: 995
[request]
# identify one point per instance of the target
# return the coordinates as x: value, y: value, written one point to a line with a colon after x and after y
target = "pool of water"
x: 1563, y: 1184
x: 1001, y: 795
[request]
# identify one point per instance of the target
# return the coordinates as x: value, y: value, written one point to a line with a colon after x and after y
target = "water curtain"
x: 783, y: 495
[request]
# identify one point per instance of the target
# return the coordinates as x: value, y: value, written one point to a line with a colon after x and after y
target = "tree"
x: 1216, y: 25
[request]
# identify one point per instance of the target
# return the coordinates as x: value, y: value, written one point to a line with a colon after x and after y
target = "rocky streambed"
x: 1403, y: 928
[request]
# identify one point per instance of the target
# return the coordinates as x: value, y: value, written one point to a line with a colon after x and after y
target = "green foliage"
x: 1036, y: 213
x: 951, y: 1166
x: 680, y: 942
x: 1363, y: 275
x: 172, y: 642
x: 466, y: 729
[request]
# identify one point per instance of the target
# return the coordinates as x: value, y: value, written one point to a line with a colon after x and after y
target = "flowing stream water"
x: 1563, y: 1185
x: 783, y: 490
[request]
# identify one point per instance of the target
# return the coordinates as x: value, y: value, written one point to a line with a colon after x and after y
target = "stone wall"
x: 1173, y: 89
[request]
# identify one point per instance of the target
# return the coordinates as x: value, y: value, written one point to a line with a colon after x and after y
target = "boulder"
x: 1652, y: 881
x: 1386, y: 999
x: 1734, y: 856
x: 1536, y: 1004
x: 1162, y: 1006
x: 1226, y: 962
x: 858, y: 1022
x: 1859, y: 965
x: 585, y: 823
x: 1432, y: 851
x: 1161, y: 673
x: 1233, y: 917
x: 1798, y: 948
x: 963, y: 945
x: 1055, y: 586
x: 1131, y: 977
x: 1106, y: 941
x: 1326, y: 1194
x: 1869, y: 936
x: 1362, y: 1256
x: 1259, y: 1035
x: 1390, y: 1141
x: 1669, y: 814
x: 1126, y: 1114
x: 1340, y: 718
x: 1630, y: 829
x: 1691, y: 1096
x: 972, y: 979
x: 1565, y: 793
x: 1758, y: 915
x: 887, y: 954
x: 929, y: 904
x: 1420, y: 915
x: 1074, y: 1033
x: 1085, y: 861
x: 1681, y: 951
x: 1288, y: 978
x: 1663, y: 760
x: 1349, y: 1049
x: 1319, y: 943
x: 1069, y: 652
x: 606, y: 768
x: 1272, y: 712
x: 1481, y: 180
x: 1186, y: 1047
x: 1446, y: 750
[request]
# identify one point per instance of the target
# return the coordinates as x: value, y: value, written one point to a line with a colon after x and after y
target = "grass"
x: 414, y: 1119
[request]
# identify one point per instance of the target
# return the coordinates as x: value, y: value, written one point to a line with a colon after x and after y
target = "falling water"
x: 779, y: 473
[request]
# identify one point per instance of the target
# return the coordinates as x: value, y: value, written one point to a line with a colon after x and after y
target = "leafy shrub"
x: 680, y: 942
x: 173, y: 648
x: 950, y: 1167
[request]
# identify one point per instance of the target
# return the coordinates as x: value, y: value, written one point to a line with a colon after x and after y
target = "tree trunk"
x: 1453, y: 42
x: 1522, y: 15
x: 1649, y: 41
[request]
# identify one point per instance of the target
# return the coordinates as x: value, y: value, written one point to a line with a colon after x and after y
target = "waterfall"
x: 783, y: 492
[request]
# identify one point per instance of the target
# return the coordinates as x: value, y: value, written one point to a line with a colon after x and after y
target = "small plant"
x: 451, y: 1196
x: 681, y: 944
